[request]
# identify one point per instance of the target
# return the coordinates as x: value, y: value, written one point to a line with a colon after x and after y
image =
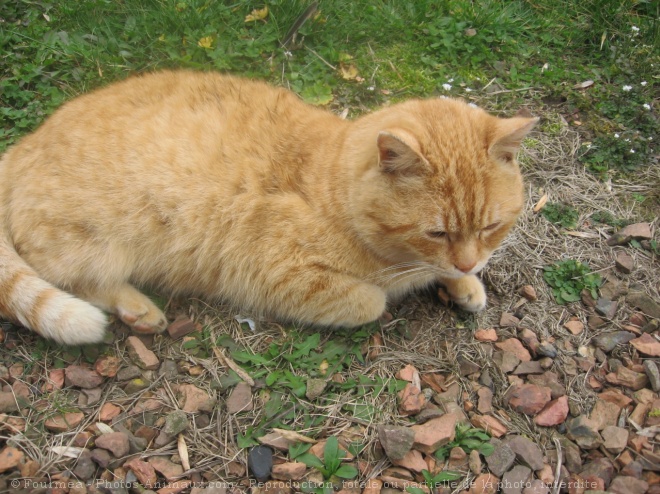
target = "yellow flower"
x: 257, y: 15
x: 205, y: 42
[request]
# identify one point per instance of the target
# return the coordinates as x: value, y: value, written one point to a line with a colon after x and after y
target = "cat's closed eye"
x: 492, y: 226
x: 436, y: 234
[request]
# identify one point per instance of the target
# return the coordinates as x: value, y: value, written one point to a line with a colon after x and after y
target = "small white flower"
x: 472, y: 105
x: 635, y: 29
x: 371, y: 88
x: 616, y: 135
x: 451, y: 80
x: 446, y: 87
x: 650, y: 138
x: 632, y: 151
x: 643, y: 83
x: 468, y: 90
x: 627, y: 88
x: 647, y: 106
x: 627, y: 140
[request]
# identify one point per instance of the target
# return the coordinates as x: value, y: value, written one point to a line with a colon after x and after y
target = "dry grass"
x: 432, y: 340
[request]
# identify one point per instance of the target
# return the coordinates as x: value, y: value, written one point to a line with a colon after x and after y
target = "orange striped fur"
x: 233, y: 190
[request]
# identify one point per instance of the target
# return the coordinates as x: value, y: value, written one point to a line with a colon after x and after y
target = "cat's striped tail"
x: 39, y: 306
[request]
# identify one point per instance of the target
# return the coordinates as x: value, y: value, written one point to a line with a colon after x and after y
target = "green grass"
x: 568, y: 278
x: 52, y: 51
x: 561, y: 214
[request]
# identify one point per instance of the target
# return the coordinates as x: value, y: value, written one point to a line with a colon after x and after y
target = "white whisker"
x: 394, y: 267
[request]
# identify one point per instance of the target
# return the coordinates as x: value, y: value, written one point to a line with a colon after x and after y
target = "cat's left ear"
x: 508, y: 135
x: 399, y: 153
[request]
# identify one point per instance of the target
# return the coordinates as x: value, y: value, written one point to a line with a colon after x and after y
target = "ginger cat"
x: 233, y: 190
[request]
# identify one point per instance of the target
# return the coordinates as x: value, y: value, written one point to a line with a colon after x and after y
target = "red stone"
x: 554, y: 413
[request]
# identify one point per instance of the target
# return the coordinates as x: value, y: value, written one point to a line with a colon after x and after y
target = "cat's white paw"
x: 467, y: 292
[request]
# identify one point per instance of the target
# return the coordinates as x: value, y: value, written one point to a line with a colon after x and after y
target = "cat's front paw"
x: 467, y: 292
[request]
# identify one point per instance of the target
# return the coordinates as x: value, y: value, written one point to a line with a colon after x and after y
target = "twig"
x: 555, y: 488
x: 321, y: 58
x: 228, y: 362
x: 510, y: 90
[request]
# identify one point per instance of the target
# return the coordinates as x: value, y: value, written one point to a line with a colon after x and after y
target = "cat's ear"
x: 399, y: 153
x: 507, y: 137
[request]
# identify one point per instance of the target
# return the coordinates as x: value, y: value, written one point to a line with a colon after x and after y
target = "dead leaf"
x: 348, y: 71
x: 294, y: 436
x: 104, y: 428
x: 67, y: 451
x: 323, y: 368
x: 257, y: 15
x: 205, y: 42
x: 539, y: 205
x: 583, y: 85
x: 182, y: 448
x: 233, y: 366
x: 582, y: 234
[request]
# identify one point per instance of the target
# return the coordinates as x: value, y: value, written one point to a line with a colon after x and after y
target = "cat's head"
x: 439, y: 183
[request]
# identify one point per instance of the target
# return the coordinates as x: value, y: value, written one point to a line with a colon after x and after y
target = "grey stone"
x: 614, y: 439
x: 536, y: 487
x: 176, y: 422
x: 632, y: 469
x: 642, y: 301
x: 613, y: 288
x: 168, y: 369
x: 91, y: 396
x: 531, y: 367
x: 547, y: 349
x: 624, y: 263
x: 115, y: 442
x: 651, y: 369
x: 572, y: 454
x: 601, y: 468
x: 428, y: 414
x: 618, y: 239
x: 628, y: 485
x: 608, y: 341
x: 583, y: 431
x: 501, y: 459
x: 260, y: 462
x: 506, y: 361
x: 85, y: 467
x: 137, y: 444
x: 9, y: 402
x: 101, y: 457
x: 162, y: 439
x: 467, y: 367
x: 515, y: 480
x: 397, y: 441
x: 638, y: 230
x: 606, y: 308
x: 128, y: 373
x: 315, y: 388
x: 526, y: 451
x: 651, y: 327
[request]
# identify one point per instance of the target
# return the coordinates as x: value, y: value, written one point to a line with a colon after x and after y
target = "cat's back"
x: 175, y: 108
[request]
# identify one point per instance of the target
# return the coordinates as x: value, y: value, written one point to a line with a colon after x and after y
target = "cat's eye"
x: 492, y: 226
x: 437, y: 234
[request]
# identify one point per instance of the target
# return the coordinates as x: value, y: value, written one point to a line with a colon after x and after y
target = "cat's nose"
x: 465, y: 267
